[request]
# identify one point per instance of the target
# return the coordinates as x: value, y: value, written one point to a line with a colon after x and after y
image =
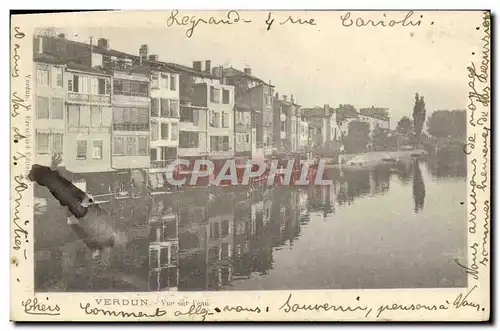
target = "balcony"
x: 243, y: 127
x: 88, y: 98
x: 130, y: 126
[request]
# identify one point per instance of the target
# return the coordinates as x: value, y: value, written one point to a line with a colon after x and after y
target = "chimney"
x: 248, y: 71
x: 103, y: 43
x: 153, y: 57
x: 277, y: 95
x: 208, y: 66
x: 62, y: 35
x: 143, y: 52
x: 291, y: 98
x: 218, y: 71
x: 197, y: 65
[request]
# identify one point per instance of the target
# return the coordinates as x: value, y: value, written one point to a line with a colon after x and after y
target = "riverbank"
x: 375, y: 158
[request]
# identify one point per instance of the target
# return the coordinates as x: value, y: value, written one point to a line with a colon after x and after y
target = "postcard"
x: 239, y: 165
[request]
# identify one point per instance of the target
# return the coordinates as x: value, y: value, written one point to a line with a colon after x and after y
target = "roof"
x: 184, y: 69
x: 313, y: 112
x: 232, y: 72
x: 156, y: 65
x: 375, y: 112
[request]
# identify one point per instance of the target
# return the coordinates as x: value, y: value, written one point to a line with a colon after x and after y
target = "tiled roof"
x: 231, y: 72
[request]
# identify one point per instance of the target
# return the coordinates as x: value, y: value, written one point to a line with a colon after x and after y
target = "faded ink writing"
x: 120, y: 313
x: 231, y: 17
x: 20, y: 233
x: 347, y: 21
x: 18, y: 103
x: 34, y: 307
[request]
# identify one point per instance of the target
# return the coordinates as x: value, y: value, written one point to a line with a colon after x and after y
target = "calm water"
x: 390, y: 227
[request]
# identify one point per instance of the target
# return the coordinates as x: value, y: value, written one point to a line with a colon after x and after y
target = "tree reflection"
x: 418, y: 187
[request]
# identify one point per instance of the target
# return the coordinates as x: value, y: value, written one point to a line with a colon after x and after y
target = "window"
x: 219, y: 143
x: 154, y: 154
x: 95, y: 116
x: 118, y: 146
x: 165, y: 108
x: 42, y: 143
x: 74, y: 115
x: 155, y: 107
x: 101, y: 86
x: 74, y: 87
x: 247, y: 138
x: 164, y: 131
x: 155, y: 83
x: 225, y: 120
x: 174, y: 135
x: 174, y: 108
x: 154, y: 130
x: 130, y: 147
x: 97, y: 149
x: 164, y: 80
x: 173, y: 83
x: 143, y: 146
x: 43, y: 75
x: 57, y: 143
x: 189, y: 115
x: 225, y: 96
x: 217, y: 119
x: 188, y: 139
x: 59, y: 77
x: 81, y: 149
x: 226, y: 252
x: 57, y: 111
x: 214, y: 95
x: 283, y: 128
x: 225, y: 143
x: 43, y: 108
x: 130, y: 87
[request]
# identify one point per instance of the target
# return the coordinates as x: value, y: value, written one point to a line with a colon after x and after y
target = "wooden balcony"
x: 97, y: 99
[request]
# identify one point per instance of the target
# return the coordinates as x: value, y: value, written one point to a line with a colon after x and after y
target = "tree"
x: 405, y: 125
x: 382, y: 140
x: 447, y: 124
x: 357, y: 138
x: 418, y: 116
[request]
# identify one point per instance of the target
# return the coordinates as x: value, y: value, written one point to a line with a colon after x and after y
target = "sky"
x: 322, y: 64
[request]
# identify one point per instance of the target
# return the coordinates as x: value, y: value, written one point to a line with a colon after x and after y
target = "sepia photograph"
x: 246, y: 151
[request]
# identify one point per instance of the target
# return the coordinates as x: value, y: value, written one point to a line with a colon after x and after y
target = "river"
x: 397, y: 226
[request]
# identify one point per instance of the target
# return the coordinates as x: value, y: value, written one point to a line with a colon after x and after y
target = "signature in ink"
x: 33, y: 307
x: 18, y: 103
x: 232, y: 17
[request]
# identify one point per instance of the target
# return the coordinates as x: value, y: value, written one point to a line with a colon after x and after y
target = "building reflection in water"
x: 207, y: 239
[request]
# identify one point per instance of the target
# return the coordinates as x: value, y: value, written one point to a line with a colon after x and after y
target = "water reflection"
x: 215, y: 239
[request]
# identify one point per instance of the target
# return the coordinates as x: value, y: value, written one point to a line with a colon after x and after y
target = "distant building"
x: 323, y: 125
x: 254, y: 99
x: 286, y: 124
x: 164, y: 116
